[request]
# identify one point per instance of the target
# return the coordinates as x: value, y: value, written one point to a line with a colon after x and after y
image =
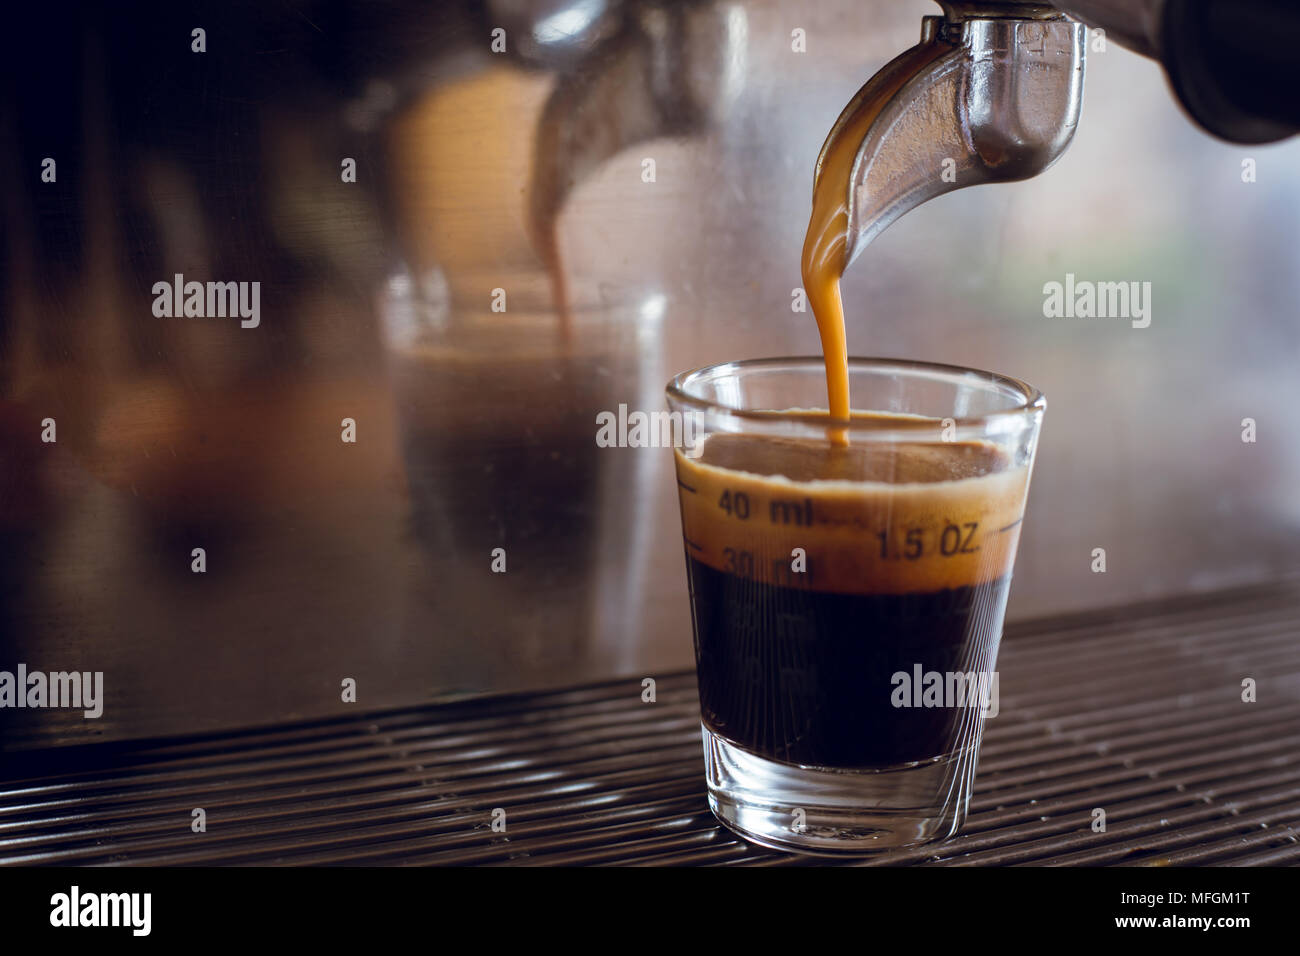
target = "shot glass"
x: 848, y: 582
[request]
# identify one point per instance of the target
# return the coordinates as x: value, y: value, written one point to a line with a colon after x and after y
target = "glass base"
x: 836, y: 812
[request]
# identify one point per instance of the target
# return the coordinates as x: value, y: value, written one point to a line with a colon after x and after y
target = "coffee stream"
x: 821, y: 569
x: 825, y: 247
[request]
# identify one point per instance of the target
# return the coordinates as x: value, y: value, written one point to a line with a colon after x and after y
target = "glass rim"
x: 1034, y: 400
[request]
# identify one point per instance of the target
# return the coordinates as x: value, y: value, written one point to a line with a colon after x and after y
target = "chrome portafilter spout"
x: 992, y: 93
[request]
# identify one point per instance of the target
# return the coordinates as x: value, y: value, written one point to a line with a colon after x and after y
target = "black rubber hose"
x: 1235, y: 65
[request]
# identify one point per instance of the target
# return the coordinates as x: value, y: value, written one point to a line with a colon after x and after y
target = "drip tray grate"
x: 1136, y: 711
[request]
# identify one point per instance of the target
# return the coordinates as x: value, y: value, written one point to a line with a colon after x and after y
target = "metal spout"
x: 995, y: 98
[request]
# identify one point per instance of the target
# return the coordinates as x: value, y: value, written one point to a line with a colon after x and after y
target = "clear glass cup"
x: 848, y: 582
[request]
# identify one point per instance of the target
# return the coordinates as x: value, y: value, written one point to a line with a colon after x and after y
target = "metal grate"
x: 1135, y: 710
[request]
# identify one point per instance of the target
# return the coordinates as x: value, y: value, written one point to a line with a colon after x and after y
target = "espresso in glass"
x: 848, y: 580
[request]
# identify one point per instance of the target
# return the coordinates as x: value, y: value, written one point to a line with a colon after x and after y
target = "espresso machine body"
x: 309, y: 317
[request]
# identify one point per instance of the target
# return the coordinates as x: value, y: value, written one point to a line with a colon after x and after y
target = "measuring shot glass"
x: 848, y: 582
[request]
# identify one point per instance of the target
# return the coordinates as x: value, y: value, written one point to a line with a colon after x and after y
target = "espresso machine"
x: 1003, y: 99
x: 478, y: 226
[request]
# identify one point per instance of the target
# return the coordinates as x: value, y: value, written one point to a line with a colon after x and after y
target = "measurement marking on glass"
x: 684, y: 485
x: 787, y: 512
x: 736, y: 504
x: 692, y: 544
x: 952, y: 540
x: 1010, y: 526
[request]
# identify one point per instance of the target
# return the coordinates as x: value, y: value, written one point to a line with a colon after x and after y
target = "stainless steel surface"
x: 557, y: 33
x: 475, y: 428
x: 673, y: 70
x: 1134, y: 711
x: 1001, y: 105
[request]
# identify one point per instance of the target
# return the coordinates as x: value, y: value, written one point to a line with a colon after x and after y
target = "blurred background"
x: 517, y: 179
